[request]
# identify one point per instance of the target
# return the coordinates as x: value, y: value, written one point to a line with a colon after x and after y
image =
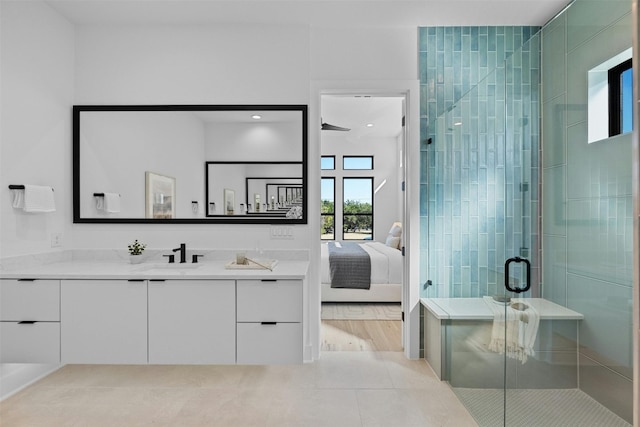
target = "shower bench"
x: 457, y: 332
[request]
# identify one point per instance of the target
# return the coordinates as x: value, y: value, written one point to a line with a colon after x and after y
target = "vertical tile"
x: 464, y: 56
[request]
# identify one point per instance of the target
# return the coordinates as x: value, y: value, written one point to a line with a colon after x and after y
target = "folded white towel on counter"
x: 514, y: 331
x: 38, y: 198
x: 111, y: 202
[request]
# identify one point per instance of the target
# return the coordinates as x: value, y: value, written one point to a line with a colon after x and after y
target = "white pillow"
x: 393, y: 241
x: 396, y: 229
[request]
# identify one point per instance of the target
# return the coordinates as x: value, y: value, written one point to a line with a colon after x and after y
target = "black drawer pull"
x: 268, y: 280
x: 27, y: 322
x: 157, y: 280
x: 26, y: 280
x: 135, y: 280
x: 268, y: 323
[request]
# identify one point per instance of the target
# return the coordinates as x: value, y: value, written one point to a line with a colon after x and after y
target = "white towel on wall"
x: 38, y: 198
x: 111, y: 202
x: 17, y: 199
x: 519, y: 337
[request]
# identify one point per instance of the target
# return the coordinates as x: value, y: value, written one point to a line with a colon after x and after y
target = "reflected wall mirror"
x: 243, y: 164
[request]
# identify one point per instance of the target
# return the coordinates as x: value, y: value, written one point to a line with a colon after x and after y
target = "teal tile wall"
x: 472, y: 212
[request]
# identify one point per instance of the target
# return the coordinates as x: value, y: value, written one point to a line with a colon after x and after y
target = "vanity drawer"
x: 269, y: 344
x: 30, y: 300
x: 37, y: 342
x: 269, y: 300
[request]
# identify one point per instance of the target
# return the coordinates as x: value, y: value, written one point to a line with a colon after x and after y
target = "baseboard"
x: 15, y: 377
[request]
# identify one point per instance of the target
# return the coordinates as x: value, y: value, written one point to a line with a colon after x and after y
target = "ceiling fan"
x: 327, y: 126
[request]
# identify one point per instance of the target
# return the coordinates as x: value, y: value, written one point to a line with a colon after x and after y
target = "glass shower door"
x: 468, y: 241
x: 482, y: 211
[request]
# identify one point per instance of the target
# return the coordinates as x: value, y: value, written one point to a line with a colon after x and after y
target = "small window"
x: 328, y: 162
x: 357, y: 208
x: 357, y: 162
x: 327, y: 208
x: 621, y: 98
x: 610, y: 98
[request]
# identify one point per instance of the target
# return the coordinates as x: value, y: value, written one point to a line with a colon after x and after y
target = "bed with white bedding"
x: 386, y: 276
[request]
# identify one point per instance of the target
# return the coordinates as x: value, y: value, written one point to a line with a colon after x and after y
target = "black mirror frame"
x: 221, y: 219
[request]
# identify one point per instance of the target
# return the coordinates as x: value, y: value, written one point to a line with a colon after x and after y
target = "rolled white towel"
x: 38, y: 198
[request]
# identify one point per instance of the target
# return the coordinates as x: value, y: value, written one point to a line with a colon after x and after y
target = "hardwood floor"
x: 361, y: 335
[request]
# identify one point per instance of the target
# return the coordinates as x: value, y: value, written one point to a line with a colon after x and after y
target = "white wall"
x: 36, y: 86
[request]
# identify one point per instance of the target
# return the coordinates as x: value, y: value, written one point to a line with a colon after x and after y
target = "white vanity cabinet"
x: 104, y: 321
x: 29, y: 321
x: 269, y: 314
x: 192, y: 322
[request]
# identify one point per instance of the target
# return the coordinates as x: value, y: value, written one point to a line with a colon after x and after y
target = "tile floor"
x: 343, y: 388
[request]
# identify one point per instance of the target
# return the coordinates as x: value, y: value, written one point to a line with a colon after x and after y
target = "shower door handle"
x: 506, y: 274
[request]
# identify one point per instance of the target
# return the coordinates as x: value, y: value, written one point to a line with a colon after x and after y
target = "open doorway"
x: 362, y: 213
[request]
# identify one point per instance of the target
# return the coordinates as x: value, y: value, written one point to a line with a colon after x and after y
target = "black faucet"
x: 183, y: 252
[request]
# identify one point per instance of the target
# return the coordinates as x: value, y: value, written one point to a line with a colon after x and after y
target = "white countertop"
x: 477, y: 308
x: 154, y: 270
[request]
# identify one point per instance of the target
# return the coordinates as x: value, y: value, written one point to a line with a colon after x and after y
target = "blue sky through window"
x: 326, y: 189
x: 359, y: 190
x: 327, y: 162
x: 626, y: 101
x: 365, y: 162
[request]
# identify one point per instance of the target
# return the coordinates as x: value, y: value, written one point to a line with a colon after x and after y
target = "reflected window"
x: 621, y: 98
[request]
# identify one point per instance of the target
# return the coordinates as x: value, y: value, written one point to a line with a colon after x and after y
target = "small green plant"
x: 136, y: 248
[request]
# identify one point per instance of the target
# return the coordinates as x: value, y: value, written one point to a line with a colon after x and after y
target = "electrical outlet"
x: 56, y: 240
x: 281, y: 232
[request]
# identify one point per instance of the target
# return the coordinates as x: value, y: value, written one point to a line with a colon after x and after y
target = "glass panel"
x: 357, y: 208
x: 327, y: 195
x: 328, y: 162
x: 484, y: 179
x: 626, y: 101
x: 467, y: 236
x: 357, y: 163
x: 482, y: 211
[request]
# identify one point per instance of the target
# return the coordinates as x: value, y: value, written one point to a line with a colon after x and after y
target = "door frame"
x: 409, y: 89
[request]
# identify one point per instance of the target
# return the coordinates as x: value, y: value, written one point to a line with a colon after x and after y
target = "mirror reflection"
x: 254, y: 189
x: 145, y: 163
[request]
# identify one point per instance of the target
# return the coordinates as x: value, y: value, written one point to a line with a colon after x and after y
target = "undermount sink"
x: 169, y: 266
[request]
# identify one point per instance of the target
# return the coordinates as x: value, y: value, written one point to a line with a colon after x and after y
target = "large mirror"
x: 190, y: 163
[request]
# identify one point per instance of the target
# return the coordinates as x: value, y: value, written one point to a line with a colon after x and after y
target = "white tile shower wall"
x: 587, y: 199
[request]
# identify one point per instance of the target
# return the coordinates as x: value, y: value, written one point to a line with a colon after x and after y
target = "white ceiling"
x: 326, y: 13
x: 355, y: 112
